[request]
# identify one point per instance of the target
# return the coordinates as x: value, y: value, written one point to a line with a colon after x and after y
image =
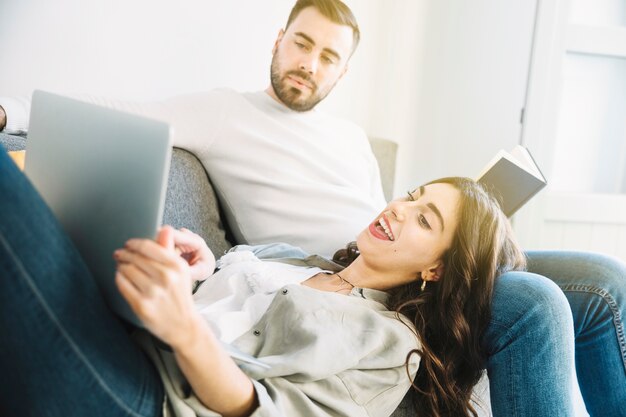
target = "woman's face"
x: 408, y: 239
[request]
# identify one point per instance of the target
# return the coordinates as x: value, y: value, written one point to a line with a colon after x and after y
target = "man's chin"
x: 300, y: 107
x: 298, y: 103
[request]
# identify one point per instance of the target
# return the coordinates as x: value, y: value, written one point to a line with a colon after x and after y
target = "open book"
x: 513, y: 178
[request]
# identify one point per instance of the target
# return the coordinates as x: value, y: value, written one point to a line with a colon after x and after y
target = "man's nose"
x: 309, y: 64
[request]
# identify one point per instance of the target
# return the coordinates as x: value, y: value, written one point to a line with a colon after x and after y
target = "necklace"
x: 343, y: 284
x: 343, y: 281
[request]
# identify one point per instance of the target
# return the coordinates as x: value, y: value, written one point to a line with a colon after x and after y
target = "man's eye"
x: 301, y: 45
x: 423, y: 222
x: 327, y: 60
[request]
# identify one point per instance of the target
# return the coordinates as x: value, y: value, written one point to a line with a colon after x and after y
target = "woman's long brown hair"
x: 452, y: 314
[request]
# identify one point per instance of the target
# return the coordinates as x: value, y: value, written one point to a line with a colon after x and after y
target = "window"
x: 590, y: 148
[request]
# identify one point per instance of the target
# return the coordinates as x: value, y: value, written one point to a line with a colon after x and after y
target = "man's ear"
x: 279, y: 38
x: 343, y: 71
x: 434, y: 273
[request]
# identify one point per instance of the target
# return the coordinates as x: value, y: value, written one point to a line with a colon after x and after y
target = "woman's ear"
x: 434, y: 273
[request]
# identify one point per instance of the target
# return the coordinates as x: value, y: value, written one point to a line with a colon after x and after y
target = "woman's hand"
x: 156, y: 282
x: 196, y: 252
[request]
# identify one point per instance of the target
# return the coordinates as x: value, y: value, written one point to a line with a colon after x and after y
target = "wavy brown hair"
x: 451, y: 315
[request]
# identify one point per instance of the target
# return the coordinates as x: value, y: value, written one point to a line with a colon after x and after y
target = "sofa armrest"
x: 385, y: 152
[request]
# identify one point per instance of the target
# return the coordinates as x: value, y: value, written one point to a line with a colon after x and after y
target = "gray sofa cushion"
x: 191, y: 201
x: 12, y: 143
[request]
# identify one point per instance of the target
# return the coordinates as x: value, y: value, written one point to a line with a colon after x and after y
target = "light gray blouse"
x: 329, y: 355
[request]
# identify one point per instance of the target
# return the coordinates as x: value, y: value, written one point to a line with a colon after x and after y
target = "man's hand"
x: 3, y: 119
x: 195, y: 251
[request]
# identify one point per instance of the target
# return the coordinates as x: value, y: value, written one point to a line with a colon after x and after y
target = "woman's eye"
x: 423, y: 222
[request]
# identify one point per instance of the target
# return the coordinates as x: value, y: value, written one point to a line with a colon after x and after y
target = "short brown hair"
x: 335, y: 10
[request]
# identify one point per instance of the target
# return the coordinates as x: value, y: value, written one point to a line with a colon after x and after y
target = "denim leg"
x: 595, y: 286
x: 530, y: 348
x: 62, y: 351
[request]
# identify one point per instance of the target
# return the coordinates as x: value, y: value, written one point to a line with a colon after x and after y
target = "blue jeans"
x: 540, y: 327
x: 62, y: 351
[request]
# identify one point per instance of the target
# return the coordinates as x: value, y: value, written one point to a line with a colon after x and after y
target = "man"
x: 303, y: 159
x: 272, y: 158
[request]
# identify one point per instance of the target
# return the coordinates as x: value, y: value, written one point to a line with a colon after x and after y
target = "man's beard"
x: 291, y: 96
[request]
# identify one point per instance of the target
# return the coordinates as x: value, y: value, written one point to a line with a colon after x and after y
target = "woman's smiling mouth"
x: 380, y: 229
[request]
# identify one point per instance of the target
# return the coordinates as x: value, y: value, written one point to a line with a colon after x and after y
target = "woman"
x: 336, y: 350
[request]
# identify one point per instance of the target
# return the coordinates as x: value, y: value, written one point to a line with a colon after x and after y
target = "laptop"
x: 104, y: 175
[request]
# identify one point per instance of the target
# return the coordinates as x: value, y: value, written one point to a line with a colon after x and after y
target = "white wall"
x: 137, y: 49
x: 149, y: 49
x: 443, y: 78
x: 472, y: 79
x: 146, y: 49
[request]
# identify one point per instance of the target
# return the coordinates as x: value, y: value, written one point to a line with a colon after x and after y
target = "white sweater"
x: 305, y: 178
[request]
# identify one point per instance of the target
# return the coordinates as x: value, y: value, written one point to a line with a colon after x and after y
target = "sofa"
x: 191, y: 202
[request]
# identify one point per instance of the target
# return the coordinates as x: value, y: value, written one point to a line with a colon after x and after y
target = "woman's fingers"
x: 165, y: 237
x: 142, y: 305
x: 161, y: 273
x: 152, y: 250
x: 128, y: 290
x: 185, y: 239
x: 138, y: 278
x: 176, y: 253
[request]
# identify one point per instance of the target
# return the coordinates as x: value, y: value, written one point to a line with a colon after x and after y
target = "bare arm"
x: 156, y: 282
x: 224, y: 388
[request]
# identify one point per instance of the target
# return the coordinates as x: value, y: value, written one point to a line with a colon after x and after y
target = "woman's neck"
x: 357, y: 274
x: 363, y: 275
x: 326, y: 281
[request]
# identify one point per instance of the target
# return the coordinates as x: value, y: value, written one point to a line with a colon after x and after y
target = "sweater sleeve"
x: 195, y: 118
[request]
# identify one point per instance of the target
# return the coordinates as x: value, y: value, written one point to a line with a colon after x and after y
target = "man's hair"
x: 335, y: 10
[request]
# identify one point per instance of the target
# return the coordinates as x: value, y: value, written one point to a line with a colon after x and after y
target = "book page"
x: 523, y: 157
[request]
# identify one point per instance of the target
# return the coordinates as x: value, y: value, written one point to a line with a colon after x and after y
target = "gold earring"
x: 423, y: 285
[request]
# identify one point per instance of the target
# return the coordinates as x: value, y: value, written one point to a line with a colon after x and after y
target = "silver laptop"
x: 104, y: 175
